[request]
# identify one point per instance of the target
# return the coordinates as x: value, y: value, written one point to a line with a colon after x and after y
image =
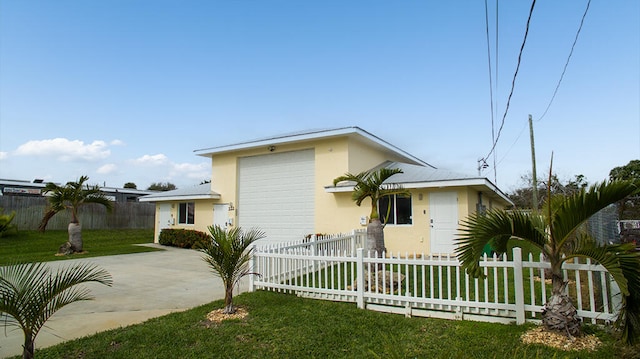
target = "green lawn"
x: 33, y: 246
x: 286, y: 326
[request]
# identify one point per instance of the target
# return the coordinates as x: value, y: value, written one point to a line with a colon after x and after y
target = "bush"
x: 183, y: 238
x: 5, y: 223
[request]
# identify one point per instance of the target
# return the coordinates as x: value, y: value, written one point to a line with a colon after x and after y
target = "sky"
x: 126, y: 90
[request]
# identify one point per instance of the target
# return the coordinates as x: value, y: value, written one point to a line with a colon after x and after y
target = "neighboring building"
x: 283, y: 185
x: 34, y: 189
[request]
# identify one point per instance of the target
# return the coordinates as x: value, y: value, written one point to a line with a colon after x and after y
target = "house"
x: 283, y: 185
x: 22, y: 188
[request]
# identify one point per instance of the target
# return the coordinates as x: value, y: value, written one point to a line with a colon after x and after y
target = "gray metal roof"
x: 202, y: 191
x: 415, y: 176
x: 353, y: 131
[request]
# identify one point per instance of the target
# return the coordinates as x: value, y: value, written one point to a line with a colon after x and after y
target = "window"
x: 186, y: 213
x: 398, y: 207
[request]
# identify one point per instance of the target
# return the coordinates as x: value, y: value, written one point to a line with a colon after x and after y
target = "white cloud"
x: 117, y: 143
x: 153, y: 160
x: 64, y: 149
x: 198, y: 171
x: 190, y: 167
x: 107, y: 169
x: 4, y: 155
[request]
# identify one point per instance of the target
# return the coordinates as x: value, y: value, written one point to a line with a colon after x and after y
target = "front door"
x: 165, y: 219
x: 443, y: 207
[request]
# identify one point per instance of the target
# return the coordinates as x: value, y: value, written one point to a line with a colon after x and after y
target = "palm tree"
x: 228, y: 254
x: 31, y: 293
x: 558, y: 232
x: 370, y: 184
x: 72, y: 196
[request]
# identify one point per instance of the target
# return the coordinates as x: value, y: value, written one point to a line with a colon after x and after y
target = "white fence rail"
x: 513, y: 290
x: 321, y: 244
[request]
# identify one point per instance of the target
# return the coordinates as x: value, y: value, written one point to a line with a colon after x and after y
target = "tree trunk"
x: 75, y: 236
x: 228, y: 301
x: 29, y: 346
x: 375, y: 236
x: 559, y: 314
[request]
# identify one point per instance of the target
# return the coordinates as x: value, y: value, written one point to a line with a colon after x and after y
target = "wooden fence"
x: 125, y: 215
x: 514, y: 290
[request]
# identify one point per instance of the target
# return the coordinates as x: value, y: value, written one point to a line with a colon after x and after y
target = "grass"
x: 286, y: 326
x: 33, y: 246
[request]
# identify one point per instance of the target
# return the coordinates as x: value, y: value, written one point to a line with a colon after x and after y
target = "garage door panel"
x: 276, y: 194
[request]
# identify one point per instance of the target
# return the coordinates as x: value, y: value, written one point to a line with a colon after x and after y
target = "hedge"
x: 183, y: 238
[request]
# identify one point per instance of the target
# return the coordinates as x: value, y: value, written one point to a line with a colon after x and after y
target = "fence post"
x: 518, y: 283
x: 353, y: 242
x: 360, y: 277
x: 252, y: 269
x: 313, y: 247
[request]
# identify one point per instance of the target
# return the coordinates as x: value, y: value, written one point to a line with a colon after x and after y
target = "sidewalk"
x: 145, y: 285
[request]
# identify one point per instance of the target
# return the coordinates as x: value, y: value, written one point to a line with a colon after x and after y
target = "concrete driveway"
x: 145, y: 285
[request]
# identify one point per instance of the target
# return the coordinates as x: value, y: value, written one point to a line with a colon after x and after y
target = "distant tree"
x: 130, y: 185
x: 630, y: 171
x: 71, y: 197
x: 522, y: 197
x: 162, y: 186
x: 630, y: 207
x: 31, y: 293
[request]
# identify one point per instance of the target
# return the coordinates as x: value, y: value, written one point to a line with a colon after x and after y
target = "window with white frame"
x: 186, y: 213
x: 398, y: 207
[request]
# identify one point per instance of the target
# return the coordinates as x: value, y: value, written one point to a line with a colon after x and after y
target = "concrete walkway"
x: 145, y: 285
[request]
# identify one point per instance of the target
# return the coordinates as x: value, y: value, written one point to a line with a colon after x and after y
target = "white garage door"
x: 276, y: 194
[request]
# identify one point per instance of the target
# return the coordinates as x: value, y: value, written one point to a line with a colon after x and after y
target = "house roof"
x: 355, y: 132
x: 202, y: 191
x: 415, y: 176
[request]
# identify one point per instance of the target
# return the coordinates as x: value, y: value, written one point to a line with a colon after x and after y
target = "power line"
x: 513, y: 81
x: 568, y: 59
x: 495, y: 166
x: 486, y: 23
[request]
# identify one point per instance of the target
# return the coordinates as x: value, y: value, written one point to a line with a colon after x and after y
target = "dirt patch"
x: 542, y: 336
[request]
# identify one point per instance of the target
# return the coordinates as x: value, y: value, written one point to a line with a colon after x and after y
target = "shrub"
x: 5, y: 223
x: 183, y: 238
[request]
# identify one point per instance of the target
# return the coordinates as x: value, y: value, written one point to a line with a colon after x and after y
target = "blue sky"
x: 125, y: 91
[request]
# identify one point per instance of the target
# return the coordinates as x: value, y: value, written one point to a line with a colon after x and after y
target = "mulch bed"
x: 560, y: 341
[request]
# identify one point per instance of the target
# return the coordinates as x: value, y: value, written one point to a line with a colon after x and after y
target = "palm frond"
x: 569, y: 213
x: 31, y: 293
x: 496, y: 228
x: 228, y: 252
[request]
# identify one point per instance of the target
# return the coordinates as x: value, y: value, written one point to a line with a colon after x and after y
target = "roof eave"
x: 179, y: 198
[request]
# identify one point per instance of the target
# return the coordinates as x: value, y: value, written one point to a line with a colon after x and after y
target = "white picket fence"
x: 514, y: 290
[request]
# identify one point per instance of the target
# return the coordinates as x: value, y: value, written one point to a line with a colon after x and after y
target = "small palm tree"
x: 72, y: 196
x: 370, y: 184
x: 228, y: 254
x: 31, y: 293
x: 559, y: 234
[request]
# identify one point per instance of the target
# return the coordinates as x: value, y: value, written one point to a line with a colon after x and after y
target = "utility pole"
x: 534, y: 180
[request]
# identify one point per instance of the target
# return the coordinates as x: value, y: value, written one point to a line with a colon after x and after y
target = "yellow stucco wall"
x: 203, y: 216
x: 336, y: 212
